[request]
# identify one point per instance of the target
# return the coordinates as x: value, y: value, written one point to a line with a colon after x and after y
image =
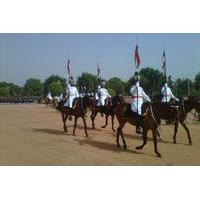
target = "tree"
x: 88, y: 80
x: 33, y: 87
x: 111, y: 92
x: 55, y: 88
x: 181, y: 87
x: 4, y: 91
x: 54, y: 78
x: 151, y: 81
x: 13, y: 89
x: 197, y: 81
x: 117, y: 85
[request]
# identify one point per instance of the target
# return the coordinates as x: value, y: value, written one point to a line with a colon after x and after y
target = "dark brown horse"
x: 78, y: 110
x: 186, y: 106
x: 165, y: 111
x: 149, y: 122
x: 108, y: 110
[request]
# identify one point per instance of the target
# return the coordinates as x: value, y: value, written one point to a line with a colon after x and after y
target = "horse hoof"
x: 159, y: 155
x: 125, y: 147
x: 118, y: 145
x: 190, y: 143
x: 139, y: 147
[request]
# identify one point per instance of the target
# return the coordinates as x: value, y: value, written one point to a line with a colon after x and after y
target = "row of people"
x: 16, y: 100
x: 137, y: 92
x: 72, y: 93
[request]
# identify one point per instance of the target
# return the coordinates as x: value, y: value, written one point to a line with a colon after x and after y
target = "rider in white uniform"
x: 49, y: 96
x: 167, y: 94
x: 103, y: 94
x: 72, y: 93
x: 138, y: 97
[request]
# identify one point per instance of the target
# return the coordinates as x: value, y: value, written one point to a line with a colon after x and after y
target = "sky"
x: 24, y: 56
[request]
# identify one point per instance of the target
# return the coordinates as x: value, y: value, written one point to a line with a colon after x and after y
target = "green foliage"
x: 54, y: 78
x: 151, y: 81
x: 111, y: 92
x: 33, y: 87
x: 13, y: 89
x: 117, y: 85
x: 181, y: 87
x: 4, y: 91
x: 55, y: 88
x: 88, y: 80
x: 197, y: 81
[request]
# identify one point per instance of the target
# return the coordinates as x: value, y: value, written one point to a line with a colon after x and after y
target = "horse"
x: 108, y: 110
x: 149, y: 122
x: 163, y: 111
x: 78, y: 110
x: 48, y: 102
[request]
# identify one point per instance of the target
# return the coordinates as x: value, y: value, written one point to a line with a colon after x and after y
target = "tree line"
x: 151, y: 81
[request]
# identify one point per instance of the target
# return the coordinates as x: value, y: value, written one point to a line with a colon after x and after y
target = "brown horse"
x: 78, y: 110
x: 48, y: 102
x: 186, y: 106
x: 149, y: 122
x: 108, y: 110
x: 165, y: 111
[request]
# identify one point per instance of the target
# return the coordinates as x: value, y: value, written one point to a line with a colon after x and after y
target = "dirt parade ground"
x: 33, y: 135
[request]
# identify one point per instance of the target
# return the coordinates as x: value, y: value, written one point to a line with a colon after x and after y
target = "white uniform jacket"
x: 49, y: 96
x: 103, y: 93
x: 72, y: 93
x: 167, y: 94
x: 138, y: 96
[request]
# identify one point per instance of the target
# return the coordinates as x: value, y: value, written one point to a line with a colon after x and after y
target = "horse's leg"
x: 112, y: 119
x: 85, y: 126
x: 75, y: 123
x: 64, y: 118
x: 144, y: 134
x: 93, y: 115
x: 120, y: 132
x: 175, y: 130
x: 155, y: 132
x: 117, y: 140
x: 188, y: 132
x: 106, y: 122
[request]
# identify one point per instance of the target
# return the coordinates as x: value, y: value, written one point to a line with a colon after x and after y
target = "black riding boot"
x: 70, y: 115
x: 138, y: 124
x: 101, y: 110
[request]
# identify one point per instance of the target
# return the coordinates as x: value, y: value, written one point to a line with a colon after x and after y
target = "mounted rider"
x: 167, y: 94
x: 138, y: 97
x: 49, y: 96
x: 103, y: 95
x: 71, y: 93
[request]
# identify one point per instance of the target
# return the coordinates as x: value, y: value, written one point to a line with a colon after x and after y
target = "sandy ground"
x: 33, y: 135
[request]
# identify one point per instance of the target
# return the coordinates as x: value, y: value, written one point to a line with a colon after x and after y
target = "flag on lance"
x: 98, y: 69
x: 68, y: 67
x: 164, y: 61
x: 137, y: 57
